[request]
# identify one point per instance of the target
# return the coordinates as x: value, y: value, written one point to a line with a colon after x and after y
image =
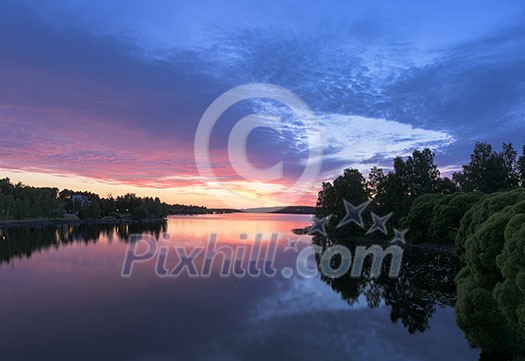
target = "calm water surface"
x: 63, y: 298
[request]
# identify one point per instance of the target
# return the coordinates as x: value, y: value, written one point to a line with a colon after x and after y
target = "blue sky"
x: 107, y: 95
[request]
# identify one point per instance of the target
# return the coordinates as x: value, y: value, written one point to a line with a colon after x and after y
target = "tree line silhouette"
x: 20, y: 201
x: 397, y: 190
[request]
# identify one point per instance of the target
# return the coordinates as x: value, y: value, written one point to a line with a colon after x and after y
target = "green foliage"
x: 21, y: 201
x: 351, y: 187
x: 446, y: 186
x: 478, y: 314
x: 94, y: 207
x: 419, y: 218
x: 140, y: 208
x: 184, y: 209
x: 447, y: 215
x: 491, y: 285
x: 90, y: 211
x: 139, y: 212
x: 489, y: 171
x: 481, y: 211
x: 392, y: 193
x: 411, y: 178
x: 510, y: 294
x: 436, y: 217
x: 521, y: 167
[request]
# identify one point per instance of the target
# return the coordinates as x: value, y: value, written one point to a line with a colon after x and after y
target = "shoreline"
x: 37, y: 223
x: 31, y: 223
x: 448, y: 249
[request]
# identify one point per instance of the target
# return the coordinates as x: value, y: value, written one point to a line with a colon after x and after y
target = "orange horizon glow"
x: 198, y: 194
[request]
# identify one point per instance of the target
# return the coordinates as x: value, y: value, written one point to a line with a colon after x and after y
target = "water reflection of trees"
x: 426, y: 281
x: 23, y: 242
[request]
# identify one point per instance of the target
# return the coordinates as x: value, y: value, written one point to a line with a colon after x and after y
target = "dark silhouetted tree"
x: 489, y: 171
x: 521, y: 167
x: 396, y: 191
x: 351, y: 186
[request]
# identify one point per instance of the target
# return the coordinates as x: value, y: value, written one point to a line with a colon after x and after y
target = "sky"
x: 106, y: 96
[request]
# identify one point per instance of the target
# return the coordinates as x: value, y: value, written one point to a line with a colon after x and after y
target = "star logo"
x: 353, y: 214
x: 399, y: 236
x: 292, y: 244
x: 319, y: 226
x: 379, y: 223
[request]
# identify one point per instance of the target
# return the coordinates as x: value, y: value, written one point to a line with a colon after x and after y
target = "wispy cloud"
x: 119, y: 101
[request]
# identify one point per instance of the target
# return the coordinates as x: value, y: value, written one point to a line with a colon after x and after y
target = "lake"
x: 64, y: 298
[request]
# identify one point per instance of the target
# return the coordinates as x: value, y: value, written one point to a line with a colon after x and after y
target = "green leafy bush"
x: 481, y: 211
x: 437, y: 217
x: 419, y: 217
x: 491, y: 286
x: 447, y: 215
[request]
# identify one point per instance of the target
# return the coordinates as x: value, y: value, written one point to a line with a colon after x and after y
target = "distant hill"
x: 223, y: 210
x: 285, y: 210
x: 282, y: 210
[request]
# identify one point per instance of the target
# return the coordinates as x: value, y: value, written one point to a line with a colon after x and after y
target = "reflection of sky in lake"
x: 299, y: 296
x: 70, y: 303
